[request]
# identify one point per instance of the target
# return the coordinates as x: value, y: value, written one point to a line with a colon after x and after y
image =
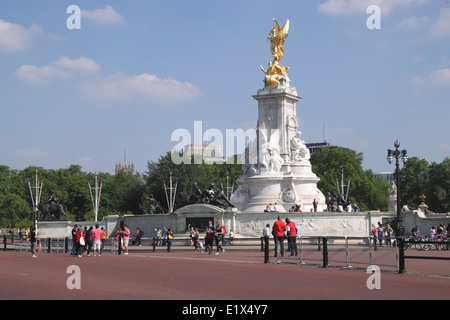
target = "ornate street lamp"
x: 391, y: 155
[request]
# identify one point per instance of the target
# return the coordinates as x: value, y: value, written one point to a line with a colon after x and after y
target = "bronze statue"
x: 50, y: 209
x: 209, y: 196
x: 149, y: 205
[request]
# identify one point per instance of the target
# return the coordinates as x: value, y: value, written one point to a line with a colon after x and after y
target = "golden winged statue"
x: 276, y: 37
x: 276, y: 72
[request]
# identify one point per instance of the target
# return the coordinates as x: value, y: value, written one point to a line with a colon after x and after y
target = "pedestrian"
x: 218, y: 237
x: 380, y: 232
x: 120, y: 240
x: 291, y: 231
x: 374, y: 235
x: 96, y: 240
x: 33, y: 241
x: 224, y: 232
x: 85, y: 230
x: 103, y: 238
x: 209, y: 237
x: 139, y: 235
x: 231, y: 236
x: 80, y: 242
x: 266, y: 236
x: 126, y: 238
x: 279, y: 227
x: 169, y: 239
x: 315, y: 205
x: 74, y: 240
x: 89, y: 241
x: 191, y: 236
x: 164, y: 236
x: 158, y: 236
x: 388, y: 232
x: 195, y: 237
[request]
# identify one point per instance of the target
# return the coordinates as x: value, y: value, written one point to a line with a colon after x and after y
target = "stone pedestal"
x: 422, y: 207
x: 54, y: 229
x: 276, y: 166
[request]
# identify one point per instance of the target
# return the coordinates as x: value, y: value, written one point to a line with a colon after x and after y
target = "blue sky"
x: 138, y: 70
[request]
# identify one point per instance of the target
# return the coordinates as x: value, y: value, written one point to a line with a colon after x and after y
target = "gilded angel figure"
x: 276, y: 37
x: 276, y: 73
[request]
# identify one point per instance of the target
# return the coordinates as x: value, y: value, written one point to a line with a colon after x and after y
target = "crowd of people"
x: 214, y: 235
x: 335, y: 207
x: 87, y: 240
x: 91, y: 241
x: 281, y: 230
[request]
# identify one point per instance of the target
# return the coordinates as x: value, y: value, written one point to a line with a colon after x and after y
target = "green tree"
x: 438, y: 188
x: 185, y: 174
x: 13, y: 209
x: 365, y: 190
x: 413, y: 181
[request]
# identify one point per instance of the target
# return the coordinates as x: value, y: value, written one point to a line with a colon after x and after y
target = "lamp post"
x: 391, y: 155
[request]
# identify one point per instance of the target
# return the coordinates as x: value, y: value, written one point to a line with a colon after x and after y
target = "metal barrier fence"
x: 47, y: 245
x: 324, y: 251
x: 391, y: 257
x: 341, y: 252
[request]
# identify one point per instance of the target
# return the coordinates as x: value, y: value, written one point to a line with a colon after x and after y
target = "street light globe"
x: 404, y: 157
x: 389, y: 156
x: 389, y: 159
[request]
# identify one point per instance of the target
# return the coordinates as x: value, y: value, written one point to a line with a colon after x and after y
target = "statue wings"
x: 277, y: 40
x: 282, y: 32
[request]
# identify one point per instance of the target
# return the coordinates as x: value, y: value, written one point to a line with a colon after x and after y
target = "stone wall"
x: 251, y: 224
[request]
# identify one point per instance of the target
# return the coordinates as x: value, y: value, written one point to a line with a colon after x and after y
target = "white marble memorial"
x: 276, y: 166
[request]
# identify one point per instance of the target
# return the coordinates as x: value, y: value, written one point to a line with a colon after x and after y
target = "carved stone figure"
x: 299, y: 151
x: 289, y: 195
x: 269, y: 152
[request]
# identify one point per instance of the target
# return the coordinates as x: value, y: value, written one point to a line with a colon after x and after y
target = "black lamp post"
x: 397, y: 154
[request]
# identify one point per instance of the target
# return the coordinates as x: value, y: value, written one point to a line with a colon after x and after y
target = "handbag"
x: 82, y: 241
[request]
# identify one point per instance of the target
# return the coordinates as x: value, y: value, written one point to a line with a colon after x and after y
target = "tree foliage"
x: 419, y: 177
x: 184, y: 175
x: 122, y: 193
x: 365, y: 190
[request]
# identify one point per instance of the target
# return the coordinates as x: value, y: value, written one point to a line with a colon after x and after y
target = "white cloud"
x: 14, y: 37
x: 63, y: 68
x: 440, y: 75
x: 103, y: 16
x: 81, y: 64
x: 442, y: 26
x: 352, y: 7
x: 144, y: 87
x: 434, y: 78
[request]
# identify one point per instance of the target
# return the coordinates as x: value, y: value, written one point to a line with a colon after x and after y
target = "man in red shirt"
x: 278, y: 232
x: 292, y: 236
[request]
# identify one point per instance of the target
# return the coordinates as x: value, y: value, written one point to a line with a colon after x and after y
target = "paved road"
x: 189, y: 276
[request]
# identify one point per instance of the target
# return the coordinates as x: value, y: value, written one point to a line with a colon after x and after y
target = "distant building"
x: 388, y: 176
x: 128, y: 168
x: 209, y: 153
x: 314, y: 146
